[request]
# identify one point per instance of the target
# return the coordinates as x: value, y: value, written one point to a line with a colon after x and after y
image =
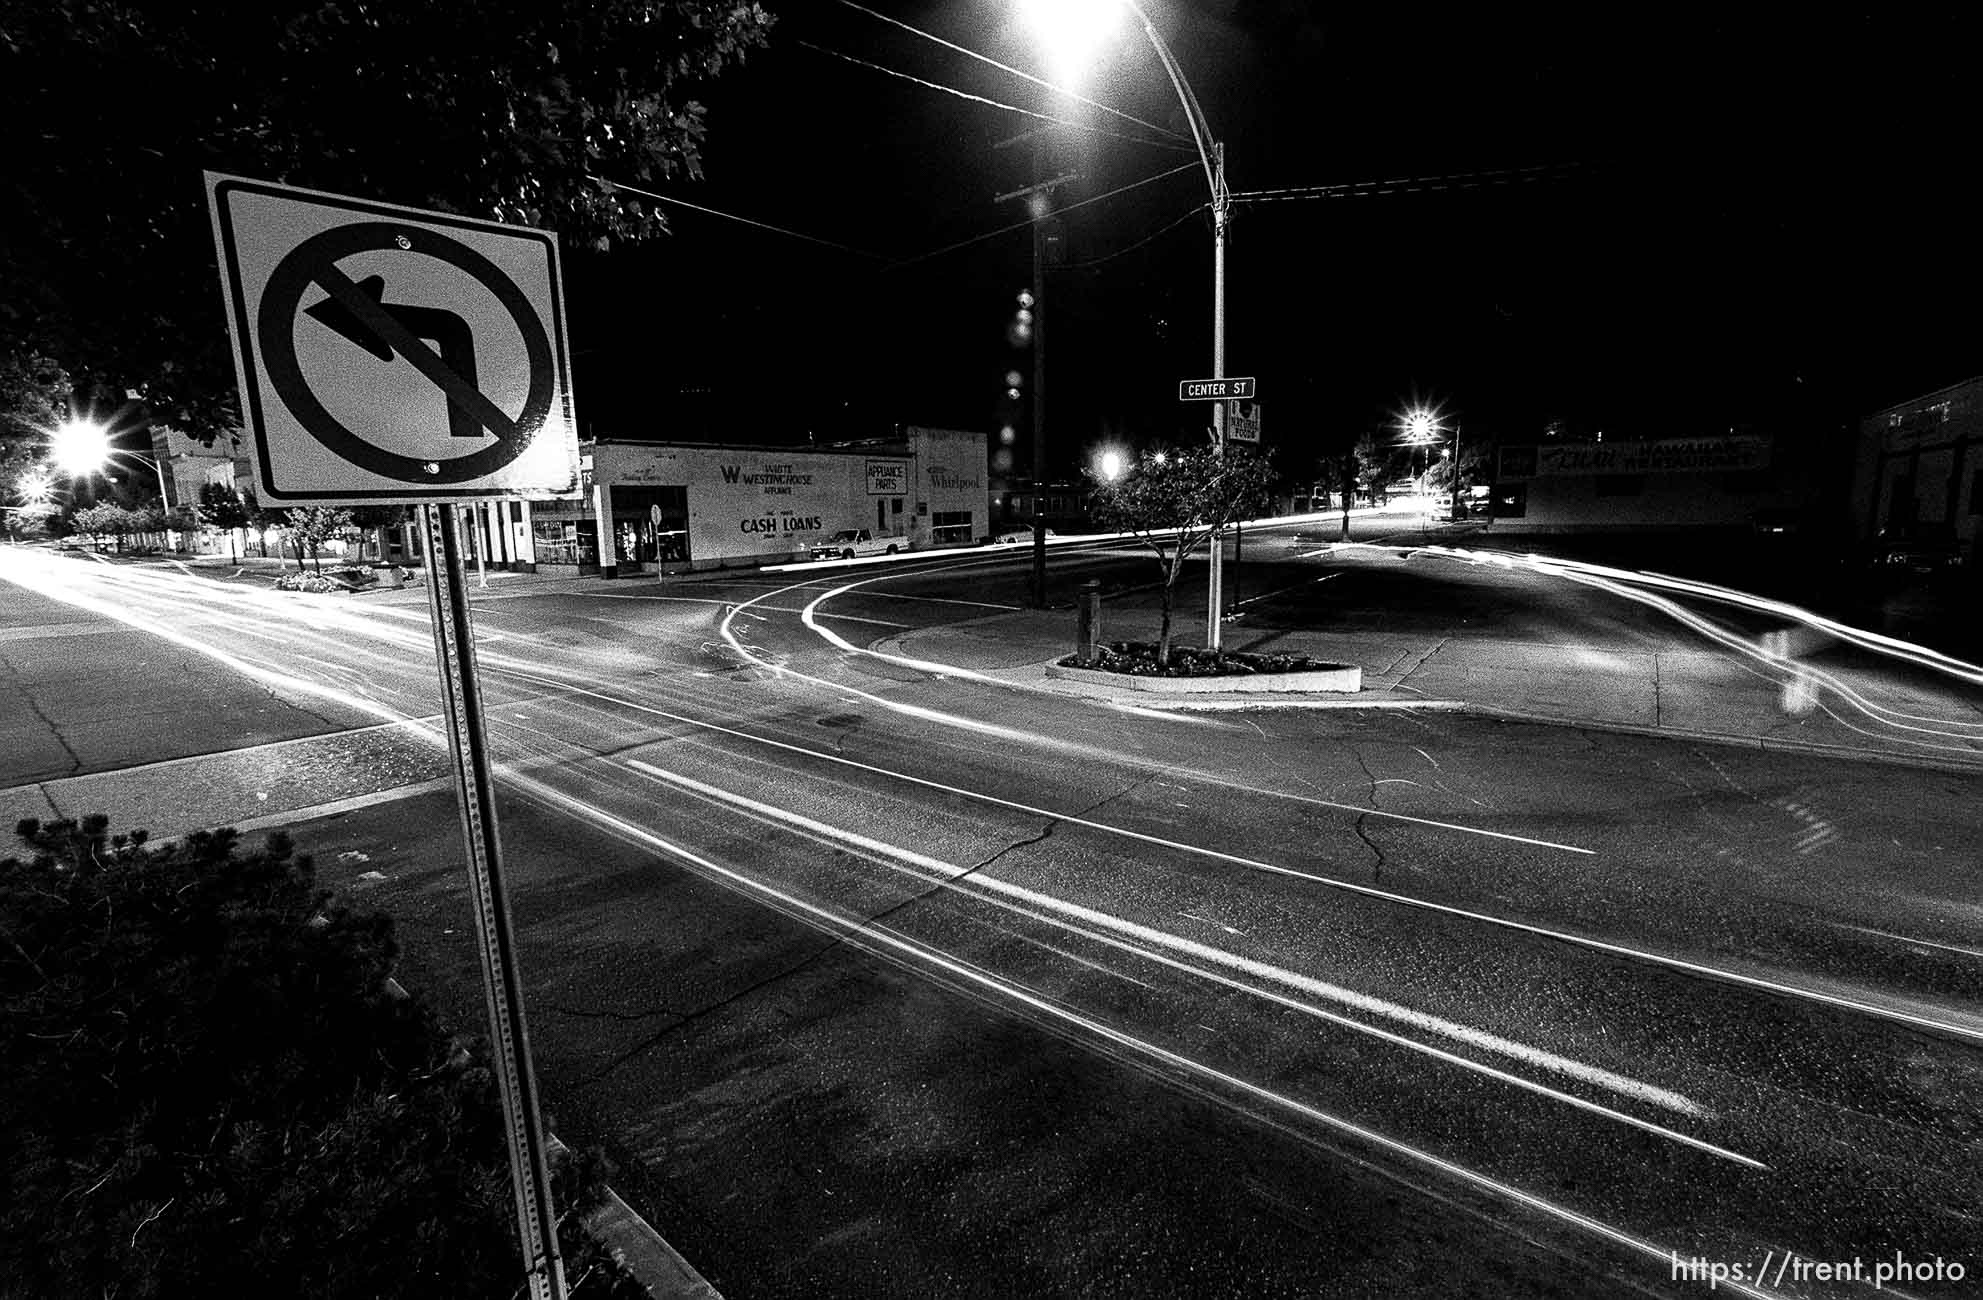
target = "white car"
x: 1017, y: 535
x: 850, y: 542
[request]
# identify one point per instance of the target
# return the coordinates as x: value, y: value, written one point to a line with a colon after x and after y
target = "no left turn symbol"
x: 323, y: 431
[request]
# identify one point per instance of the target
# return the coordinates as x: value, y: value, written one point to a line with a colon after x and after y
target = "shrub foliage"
x: 212, y: 1088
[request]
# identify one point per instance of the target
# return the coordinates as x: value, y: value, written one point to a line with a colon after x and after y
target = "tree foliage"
x: 221, y: 507
x: 109, y: 519
x: 211, y: 1088
x: 1180, y: 503
x: 500, y: 109
x: 312, y: 526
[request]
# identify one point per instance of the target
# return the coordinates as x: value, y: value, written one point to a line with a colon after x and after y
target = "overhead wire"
x: 1411, y: 184
x: 1021, y: 225
x: 1158, y: 233
x: 1006, y: 67
x: 731, y: 216
x: 993, y: 103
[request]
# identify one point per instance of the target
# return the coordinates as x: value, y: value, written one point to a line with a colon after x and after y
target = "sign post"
x: 388, y: 355
x: 1225, y: 391
x: 502, y: 984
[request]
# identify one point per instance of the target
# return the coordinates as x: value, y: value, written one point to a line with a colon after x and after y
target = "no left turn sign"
x: 387, y: 354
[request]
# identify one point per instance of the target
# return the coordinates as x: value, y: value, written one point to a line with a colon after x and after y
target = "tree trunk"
x: 1164, y: 625
x: 315, y: 563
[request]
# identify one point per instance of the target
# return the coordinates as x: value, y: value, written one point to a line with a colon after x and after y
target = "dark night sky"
x: 1745, y: 221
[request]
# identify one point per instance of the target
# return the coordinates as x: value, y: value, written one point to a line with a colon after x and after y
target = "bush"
x: 1139, y: 658
x: 211, y: 1088
x: 310, y: 582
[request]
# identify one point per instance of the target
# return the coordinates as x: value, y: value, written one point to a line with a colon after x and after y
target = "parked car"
x: 851, y: 542
x: 1017, y: 535
x: 1918, y: 548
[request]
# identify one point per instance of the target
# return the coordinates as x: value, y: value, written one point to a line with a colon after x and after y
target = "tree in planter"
x: 211, y: 1088
x: 312, y: 526
x: 221, y: 507
x: 1179, y: 503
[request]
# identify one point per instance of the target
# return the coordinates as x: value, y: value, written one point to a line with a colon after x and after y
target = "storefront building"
x: 1920, y: 466
x: 1631, y: 486
x: 669, y: 508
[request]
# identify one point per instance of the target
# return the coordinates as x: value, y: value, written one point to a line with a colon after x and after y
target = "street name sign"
x: 387, y: 354
x: 1213, y: 390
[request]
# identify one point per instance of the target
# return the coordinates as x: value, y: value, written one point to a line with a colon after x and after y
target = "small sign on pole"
x: 389, y: 355
x: 1243, y: 422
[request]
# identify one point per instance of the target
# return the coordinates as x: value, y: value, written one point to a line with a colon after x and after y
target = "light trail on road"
x: 607, y: 691
x: 555, y: 770
x: 1142, y: 941
x: 882, y: 941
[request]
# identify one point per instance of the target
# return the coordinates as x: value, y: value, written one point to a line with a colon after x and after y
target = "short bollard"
x: 1088, y: 624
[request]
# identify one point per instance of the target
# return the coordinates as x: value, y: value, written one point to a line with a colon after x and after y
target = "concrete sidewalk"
x: 1710, y: 694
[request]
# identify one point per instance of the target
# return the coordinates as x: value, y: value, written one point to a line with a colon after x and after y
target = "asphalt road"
x: 894, y: 983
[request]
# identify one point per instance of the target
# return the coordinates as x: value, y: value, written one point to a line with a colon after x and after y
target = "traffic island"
x: 1133, y: 665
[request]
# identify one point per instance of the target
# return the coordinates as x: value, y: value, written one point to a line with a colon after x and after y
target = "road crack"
x: 686, y: 1017
x: 1377, y: 853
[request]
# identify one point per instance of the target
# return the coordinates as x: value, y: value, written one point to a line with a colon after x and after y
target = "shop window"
x: 951, y: 526
x: 650, y: 525
x: 565, y: 541
x: 1511, y: 501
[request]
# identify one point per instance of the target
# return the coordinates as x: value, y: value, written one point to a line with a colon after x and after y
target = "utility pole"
x: 1459, y: 509
x: 1039, y: 202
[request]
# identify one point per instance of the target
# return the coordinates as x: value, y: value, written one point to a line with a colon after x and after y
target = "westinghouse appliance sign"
x: 766, y: 506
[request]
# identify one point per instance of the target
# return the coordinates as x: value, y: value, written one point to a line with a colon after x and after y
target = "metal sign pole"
x: 454, y: 648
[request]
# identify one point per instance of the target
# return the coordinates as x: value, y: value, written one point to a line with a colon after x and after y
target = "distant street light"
x: 1111, y: 466
x: 35, y: 488
x: 1421, y: 429
x: 82, y: 447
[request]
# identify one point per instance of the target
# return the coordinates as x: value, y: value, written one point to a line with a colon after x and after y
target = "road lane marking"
x: 1132, y: 937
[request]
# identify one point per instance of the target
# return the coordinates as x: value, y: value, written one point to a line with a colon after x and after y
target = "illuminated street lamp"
x: 1111, y: 466
x: 1073, y: 28
x: 1421, y: 429
x: 81, y: 447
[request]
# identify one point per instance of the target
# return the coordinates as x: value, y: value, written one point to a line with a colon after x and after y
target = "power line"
x: 1158, y: 233
x: 731, y: 216
x: 1021, y: 225
x: 993, y: 103
x: 1412, y: 184
x: 1003, y: 67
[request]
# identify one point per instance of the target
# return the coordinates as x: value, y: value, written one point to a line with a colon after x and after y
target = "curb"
x: 638, y: 1248
x: 1336, y: 679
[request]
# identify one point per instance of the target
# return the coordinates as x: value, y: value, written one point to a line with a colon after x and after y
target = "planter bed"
x: 1195, y: 671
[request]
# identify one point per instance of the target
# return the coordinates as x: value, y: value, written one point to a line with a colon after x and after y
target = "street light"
x: 1421, y: 428
x: 1111, y: 466
x: 82, y: 447
x: 1052, y: 19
